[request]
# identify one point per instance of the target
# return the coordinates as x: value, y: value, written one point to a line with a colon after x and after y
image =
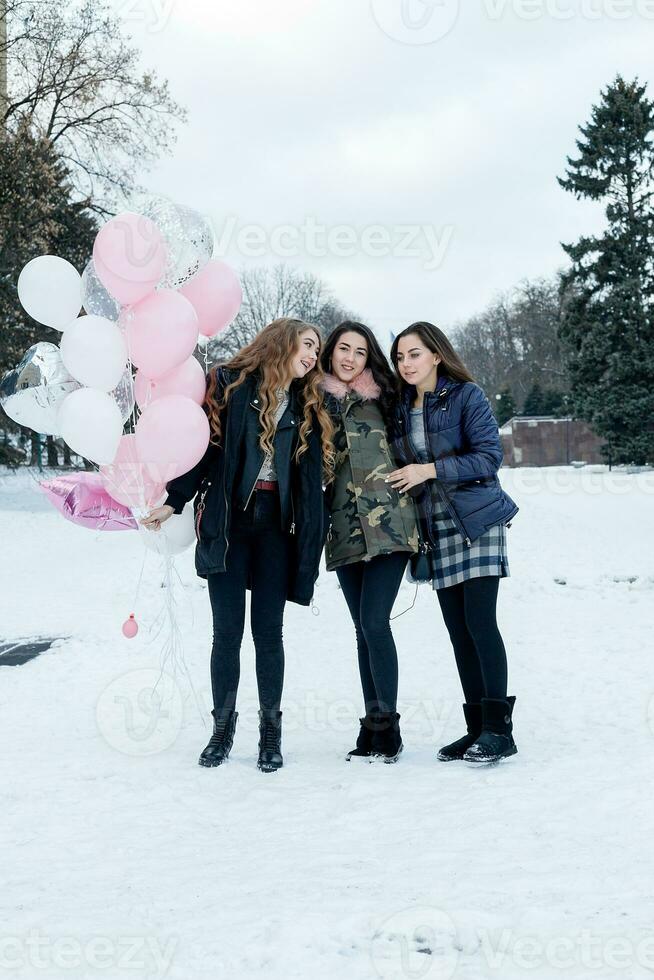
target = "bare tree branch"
x: 74, y: 77
x: 269, y: 293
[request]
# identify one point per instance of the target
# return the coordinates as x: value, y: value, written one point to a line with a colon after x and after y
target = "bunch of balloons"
x: 130, y: 324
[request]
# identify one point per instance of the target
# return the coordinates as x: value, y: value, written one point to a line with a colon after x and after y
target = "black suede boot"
x: 496, y: 739
x: 455, y: 750
x: 220, y: 743
x: 386, y: 738
x: 270, y: 740
x: 364, y: 740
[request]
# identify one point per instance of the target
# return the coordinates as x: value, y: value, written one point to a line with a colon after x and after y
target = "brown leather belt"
x: 266, y: 485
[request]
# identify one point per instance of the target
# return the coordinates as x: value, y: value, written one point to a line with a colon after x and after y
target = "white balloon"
x: 90, y: 422
x: 95, y: 352
x: 174, y: 536
x: 50, y: 290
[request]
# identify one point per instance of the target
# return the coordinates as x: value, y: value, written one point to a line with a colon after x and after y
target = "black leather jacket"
x: 252, y: 456
x: 225, y: 476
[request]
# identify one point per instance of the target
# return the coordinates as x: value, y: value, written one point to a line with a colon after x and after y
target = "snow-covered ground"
x: 123, y: 858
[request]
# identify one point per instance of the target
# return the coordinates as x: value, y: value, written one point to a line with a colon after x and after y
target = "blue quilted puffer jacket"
x: 464, y: 443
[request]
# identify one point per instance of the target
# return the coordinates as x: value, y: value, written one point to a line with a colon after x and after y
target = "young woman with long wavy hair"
x: 260, y: 514
x: 447, y: 439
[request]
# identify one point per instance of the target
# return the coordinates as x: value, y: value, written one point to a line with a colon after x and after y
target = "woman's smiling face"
x: 306, y: 355
x: 350, y: 356
x: 415, y: 362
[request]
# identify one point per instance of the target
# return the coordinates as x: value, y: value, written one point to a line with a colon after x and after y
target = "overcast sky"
x: 339, y: 135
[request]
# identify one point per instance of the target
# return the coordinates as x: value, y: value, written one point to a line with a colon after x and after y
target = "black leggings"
x: 258, y: 553
x: 370, y: 589
x: 469, y: 613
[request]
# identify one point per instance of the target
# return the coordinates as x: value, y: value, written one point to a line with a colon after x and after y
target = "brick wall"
x: 548, y: 442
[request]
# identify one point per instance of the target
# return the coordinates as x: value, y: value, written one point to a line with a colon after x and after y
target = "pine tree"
x: 544, y: 401
x: 534, y: 401
x: 38, y: 216
x: 608, y: 293
x: 505, y: 407
x: 554, y: 403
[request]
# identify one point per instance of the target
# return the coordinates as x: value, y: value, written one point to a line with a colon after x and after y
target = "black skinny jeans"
x: 370, y: 589
x: 469, y: 611
x: 259, y: 553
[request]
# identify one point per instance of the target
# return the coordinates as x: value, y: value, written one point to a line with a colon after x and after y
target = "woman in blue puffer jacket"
x: 447, y: 441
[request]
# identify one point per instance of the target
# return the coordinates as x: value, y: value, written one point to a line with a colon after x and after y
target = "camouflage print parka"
x: 368, y: 516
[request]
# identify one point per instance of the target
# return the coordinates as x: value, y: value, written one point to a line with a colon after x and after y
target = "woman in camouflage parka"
x: 373, y: 527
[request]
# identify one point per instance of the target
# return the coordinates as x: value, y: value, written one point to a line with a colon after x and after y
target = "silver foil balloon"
x: 32, y: 393
x: 187, y: 233
x: 95, y: 298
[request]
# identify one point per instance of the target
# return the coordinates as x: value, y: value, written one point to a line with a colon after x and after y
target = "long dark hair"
x: 435, y: 340
x: 377, y: 362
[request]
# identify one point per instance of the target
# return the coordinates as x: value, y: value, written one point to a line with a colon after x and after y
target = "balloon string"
x: 140, y: 578
x: 132, y: 419
x: 173, y: 649
x: 408, y: 608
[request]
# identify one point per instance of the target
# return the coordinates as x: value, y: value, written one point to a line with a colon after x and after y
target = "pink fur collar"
x: 365, y: 385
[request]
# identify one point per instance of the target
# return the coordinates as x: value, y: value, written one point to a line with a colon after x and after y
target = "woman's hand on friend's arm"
x: 156, y: 517
x: 411, y: 476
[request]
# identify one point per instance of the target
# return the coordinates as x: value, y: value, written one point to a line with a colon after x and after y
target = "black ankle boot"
x: 270, y: 740
x: 220, y: 743
x: 456, y: 750
x: 364, y: 741
x: 386, y: 738
x: 496, y: 739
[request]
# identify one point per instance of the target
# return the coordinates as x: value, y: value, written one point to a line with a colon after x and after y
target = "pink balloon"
x: 130, y: 627
x: 129, y: 253
x: 216, y: 295
x: 188, y: 379
x: 127, y: 479
x: 124, y: 292
x: 162, y: 331
x: 172, y: 435
x: 82, y: 499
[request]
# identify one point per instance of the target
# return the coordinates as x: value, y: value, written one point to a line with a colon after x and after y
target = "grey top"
x: 267, y: 471
x: 418, y: 435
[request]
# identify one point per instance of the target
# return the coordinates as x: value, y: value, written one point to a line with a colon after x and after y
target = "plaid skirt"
x: 454, y: 561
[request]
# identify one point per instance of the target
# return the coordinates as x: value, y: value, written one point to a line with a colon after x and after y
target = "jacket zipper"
x: 453, y: 515
x: 200, y: 511
x: 407, y: 428
x: 247, y: 502
x: 440, y: 493
x: 350, y: 403
x: 226, y: 500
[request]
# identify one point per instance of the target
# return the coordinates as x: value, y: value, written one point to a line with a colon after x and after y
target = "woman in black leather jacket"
x: 260, y: 514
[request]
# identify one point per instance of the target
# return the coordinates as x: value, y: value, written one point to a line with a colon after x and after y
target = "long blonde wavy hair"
x: 270, y: 354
